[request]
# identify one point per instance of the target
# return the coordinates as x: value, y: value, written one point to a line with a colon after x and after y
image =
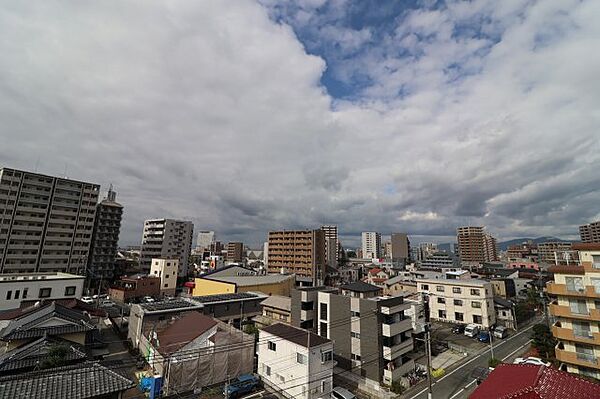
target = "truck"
x: 471, y: 330
x: 242, y: 385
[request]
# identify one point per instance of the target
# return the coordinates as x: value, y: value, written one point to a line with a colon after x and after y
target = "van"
x: 471, y: 330
x: 342, y: 393
x: 500, y: 332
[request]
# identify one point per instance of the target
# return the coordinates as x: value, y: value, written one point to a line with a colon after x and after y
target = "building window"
x: 425, y: 287
x: 45, y: 292
x: 323, y: 313
x: 323, y: 330
x: 458, y: 302
x: 354, y: 357
x: 355, y: 314
x: 574, y: 284
x: 326, y: 356
x: 25, y: 293
x: 307, y: 305
x: 442, y: 314
x: 17, y: 292
x: 301, y: 358
x: 458, y: 316
x: 439, y: 288
x: 9, y: 295
x: 476, y: 304
x: 354, y: 334
x: 578, y: 306
x: 441, y: 300
x: 69, y: 291
x: 477, y: 319
x: 596, y: 261
x: 475, y: 292
x: 267, y: 370
x: 456, y: 290
x: 272, y: 346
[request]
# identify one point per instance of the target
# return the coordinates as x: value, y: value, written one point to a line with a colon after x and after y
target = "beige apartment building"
x: 166, y: 238
x: 577, y: 312
x: 297, y: 251
x: 46, y: 222
x: 556, y: 252
x: 475, y: 245
x: 462, y: 301
x: 166, y: 270
x: 590, y: 233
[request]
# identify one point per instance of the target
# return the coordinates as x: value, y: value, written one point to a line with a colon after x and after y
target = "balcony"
x: 561, y: 290
x: 580, y: 359
x: 589, y: 267
x: 394, y: 375
x: 401, y: 348
x: 565, y: 311
x: 569, y: 335
x: 389, y: 330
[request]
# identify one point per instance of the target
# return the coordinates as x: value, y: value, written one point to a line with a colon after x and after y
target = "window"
x: 25, y: 293
x: 272, y: 346
x: 596, y: 261
x: 477, y: 319
x: 476, y: 304
x: 596, y: 284
x: 323, y: 313
x: 585, y: 353
x: 574, y: 284
x: 45, y: 292
x: 354, y: 357
x: 69, y: 291
x: 323, y: 330
x: 306, y: 305
x: 354, y: 334
x: 458, y: 302
x: 326, y: 356
x: 578, y: 306
x: 441, y: 300
x: 439, y: 288
x: 281, y: 378
x: 442, y: 314
x: 301, y: 358
x: 475, y: 292
x: 581, y: 329
x: 17, y: 292
x: 458, y: 316
x: 425, y: 287
x: 166, y: 285
x: 9, y: 295
x: 456, y: 290
x: 267, y: 370
x: 355, y: 314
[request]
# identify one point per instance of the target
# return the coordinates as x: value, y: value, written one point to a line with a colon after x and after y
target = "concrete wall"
x: 32, y: 288
x: 205, y: 286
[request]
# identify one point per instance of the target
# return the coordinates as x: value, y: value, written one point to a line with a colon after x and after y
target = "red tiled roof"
x: 374, y: 270
x: 182, y: 331
x: 583, y: 246
x: 518, y: 381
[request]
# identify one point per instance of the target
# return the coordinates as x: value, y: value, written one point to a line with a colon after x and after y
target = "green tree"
x: 56, y: 357
x: 397, y: 387
x: 543, y: 341
x: 493, y: 362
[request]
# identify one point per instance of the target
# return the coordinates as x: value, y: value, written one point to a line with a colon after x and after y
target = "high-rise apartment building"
x: 371, y: 244
x: 46, y: 222
x: 105, y: 238
x: 332, y: 245
x: 590, y: 233
x: 297, y: 251
x: 204, y: 240
x: 576, y: 310
x: 475, y: 245
x: 424, y: 250
x: 166, y: 238
x: 235, y: 252
x: 400, y: 247
x: 556, y: 252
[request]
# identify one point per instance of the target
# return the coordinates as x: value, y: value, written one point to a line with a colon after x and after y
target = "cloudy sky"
x: 246, y: 116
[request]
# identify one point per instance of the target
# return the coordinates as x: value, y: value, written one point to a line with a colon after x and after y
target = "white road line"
x: 462, y: 390
x: 475, y: 358
x: 515, y: 351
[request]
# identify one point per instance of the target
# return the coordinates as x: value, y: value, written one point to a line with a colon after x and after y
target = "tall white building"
x: 371, y: 244
x: 166, y: 238
x: 166, y: 270
x: 205, y: 238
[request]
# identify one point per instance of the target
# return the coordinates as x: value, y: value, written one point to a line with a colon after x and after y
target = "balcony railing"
x: 588, y: 291
x: 580, y: 359
x: 583, y: 336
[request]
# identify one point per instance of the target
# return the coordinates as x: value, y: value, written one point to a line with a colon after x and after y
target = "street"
x: 458, y: 383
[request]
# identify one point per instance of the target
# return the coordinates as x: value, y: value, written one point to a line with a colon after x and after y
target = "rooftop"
x: 169, y: 305
x: 29, y: 355
x: 468, y: 283
x: 81, y: 381
x: 278, y: 302
x: 182, y: 331
x: 580, y: 246
x: 516, y: 381
x: 296, y: 335
x: 360, y: 286
x: 10, y: 277
x: 240, y: 296
x: 566, y: 269
x: 244, y: 281
x: 399, y: 279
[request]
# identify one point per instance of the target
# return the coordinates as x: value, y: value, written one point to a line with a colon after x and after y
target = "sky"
x: 248, y: 116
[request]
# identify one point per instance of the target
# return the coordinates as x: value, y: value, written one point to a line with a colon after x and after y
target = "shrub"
x: 493, y: 362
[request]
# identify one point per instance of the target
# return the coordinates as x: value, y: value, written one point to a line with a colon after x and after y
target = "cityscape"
x: 316, y: 199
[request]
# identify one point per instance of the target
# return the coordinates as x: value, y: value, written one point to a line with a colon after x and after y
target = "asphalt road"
x: 458, y: 383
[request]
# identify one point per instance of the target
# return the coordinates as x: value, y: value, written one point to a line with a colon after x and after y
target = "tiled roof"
x: 375, y: 270
x: 583, y: 246
x: 29, y: 355
x: 296, y: 335
x: 182, y: 331
x: 278, y: 302
x: 517, y: 381
x: 81, y: 381
x: 360, y: 286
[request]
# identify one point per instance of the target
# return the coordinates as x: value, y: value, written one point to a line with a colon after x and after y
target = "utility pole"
x: 491, y: 342
x: 428, y: 344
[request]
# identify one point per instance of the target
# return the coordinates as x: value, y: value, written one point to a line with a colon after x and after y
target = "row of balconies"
x: 580, y: 359
x: 565, y: 311
x: 592, y: 338
x: 588, y: 291
x: 392, y: 352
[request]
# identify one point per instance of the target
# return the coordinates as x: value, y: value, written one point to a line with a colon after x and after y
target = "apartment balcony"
x: 565, y: 311
x: 590, y: 267
x: 580, y: 359
x: 399, y: 349
x: 389, y: 330
x: 561, y: 290
x: 568, y: 334
x: 394, y: 375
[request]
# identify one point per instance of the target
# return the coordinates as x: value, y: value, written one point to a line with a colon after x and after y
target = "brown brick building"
x: 297, y: 251
x: 475, y: 245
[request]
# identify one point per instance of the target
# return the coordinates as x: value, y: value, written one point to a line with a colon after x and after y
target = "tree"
x: 56, y: 357
x: 397, y: 387
x: 493, y: 362
x: 543, y: 341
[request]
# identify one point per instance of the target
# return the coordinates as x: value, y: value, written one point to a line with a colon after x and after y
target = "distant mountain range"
x: 503, y: 245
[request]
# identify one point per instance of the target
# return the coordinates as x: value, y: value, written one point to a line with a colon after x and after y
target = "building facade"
x: 400, y: 247
x: 577, y: 312
x: 371, y: 244
x: 301, y: 252
x: 475, y: 245
x: 557, y: 253
x: 46, y: 222
x: 15, y: 288
x: 204, y: 240
x: 235, y: 252
x: 105, y: 239
x: 166, y: 270
x: 166, y: 238
x: 590, y: 233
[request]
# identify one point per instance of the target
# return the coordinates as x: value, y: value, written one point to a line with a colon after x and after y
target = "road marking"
x: 475, y: 358
x: 515, y: 351
x: 461, y: 391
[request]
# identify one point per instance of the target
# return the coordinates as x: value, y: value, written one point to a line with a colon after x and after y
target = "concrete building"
x: 590, y: 233
x: 166, y: 238
x: 371, y: 244
x: 105, y: 239
x: 577, y: 312
x: 130, y: 288
x: 301, y: 252
x: 270, y: 284
x: 332, y: 245
x: 166, y: 270
x: 235, y: 252
x: 475, y: 245
x: 15, y: 288
x: 460, y: 301
x: 400, y: 248
x: 275, y: 309
x: 440, y: 260
x: 295, y: 363
x: 424, y: 250
x: 46, y: 222
x: 204, y: 240
x: 557, y: 253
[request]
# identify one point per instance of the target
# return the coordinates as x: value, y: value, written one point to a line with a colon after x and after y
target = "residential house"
x: 275, y: 309
x: 16, y: 288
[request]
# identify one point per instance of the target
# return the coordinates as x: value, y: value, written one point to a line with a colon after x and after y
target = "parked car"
x: 101, y: 296
x: 501, y: 332
x: 458, y: 329
x: 536, y: 361
x: 242, y: 385
x: 107, y: 303
x: 471, y: 330
x: 87, y: 299
x: 342, y: 393
x: 147, y: 299
x: 484, y: 336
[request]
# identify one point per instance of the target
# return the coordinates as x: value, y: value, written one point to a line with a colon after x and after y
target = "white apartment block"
x: 46, y: 222
x: 295, y: 363
x: 16, y: 288
x: 169, y: 239
x: 167, y: 270
x: 371, y: 244
x: 460, y: 301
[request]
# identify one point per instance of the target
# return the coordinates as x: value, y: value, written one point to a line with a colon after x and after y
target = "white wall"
x: 167, y: 270
x: 17, y: 288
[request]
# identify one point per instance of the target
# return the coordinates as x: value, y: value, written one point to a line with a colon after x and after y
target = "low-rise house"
x: 275, y: 309
x: 505, y: 313
x: 295, y: 363
x: 16, y: 288
x: 269, y: 284
x: 398, y: 285
x: 134, y: 287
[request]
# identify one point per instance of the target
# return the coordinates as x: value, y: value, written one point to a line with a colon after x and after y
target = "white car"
x: 87, y: 299
x: 342, y: 393
x: 148, y: 299
x: 535, y: 361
